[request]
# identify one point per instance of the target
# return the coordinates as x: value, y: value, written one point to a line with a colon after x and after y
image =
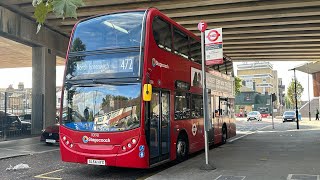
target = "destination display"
x: 103, y: 64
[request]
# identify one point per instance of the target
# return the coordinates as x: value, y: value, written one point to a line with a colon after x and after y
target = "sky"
x: 15, y: 75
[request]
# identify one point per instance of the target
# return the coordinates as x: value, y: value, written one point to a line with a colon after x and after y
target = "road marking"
x: 24, y: 145
x: 230, y: 177
x: 302, y: 176
x: 42, y: 176
x: 237, y: 138
x: 16, y: 150
x: 51, y: 150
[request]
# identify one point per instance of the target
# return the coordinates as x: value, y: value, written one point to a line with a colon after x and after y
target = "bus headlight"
x: 129, y: 145
x: 134, y: 141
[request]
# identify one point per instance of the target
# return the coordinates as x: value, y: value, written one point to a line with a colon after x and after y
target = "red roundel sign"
x: 213, y: 35
x: 202, y: 26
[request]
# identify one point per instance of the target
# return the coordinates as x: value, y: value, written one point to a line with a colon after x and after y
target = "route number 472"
x: 126, y: 64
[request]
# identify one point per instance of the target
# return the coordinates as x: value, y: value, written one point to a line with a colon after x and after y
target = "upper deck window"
x: 120, y: 30
x: 162, y: 33
x: 195, y: 50
x: 180, y: 43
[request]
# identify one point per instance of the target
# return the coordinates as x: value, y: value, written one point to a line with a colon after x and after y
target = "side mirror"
x: 147, y: 92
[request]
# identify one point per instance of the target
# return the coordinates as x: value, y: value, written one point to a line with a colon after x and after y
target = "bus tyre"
x: 224, y: 135
x: 182, y: 148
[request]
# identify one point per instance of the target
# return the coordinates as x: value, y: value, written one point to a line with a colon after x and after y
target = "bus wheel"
x: 182, y: 148
x: 224, y: 135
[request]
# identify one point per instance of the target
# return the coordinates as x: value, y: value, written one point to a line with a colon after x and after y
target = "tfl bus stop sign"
x: 202, y: 26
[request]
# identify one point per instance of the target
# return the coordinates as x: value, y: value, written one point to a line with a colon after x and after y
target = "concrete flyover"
x: 253, y: 30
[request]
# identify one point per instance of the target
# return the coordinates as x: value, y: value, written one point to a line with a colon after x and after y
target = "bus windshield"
x: 101, y: 107
x: 119, y: 30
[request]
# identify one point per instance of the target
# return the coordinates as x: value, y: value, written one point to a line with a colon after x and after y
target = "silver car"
x: 254, y: 115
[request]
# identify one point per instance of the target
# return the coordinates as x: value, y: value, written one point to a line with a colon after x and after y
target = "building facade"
x: 260, y: 77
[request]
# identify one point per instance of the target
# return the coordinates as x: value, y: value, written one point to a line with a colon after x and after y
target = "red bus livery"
x: 132, y: 93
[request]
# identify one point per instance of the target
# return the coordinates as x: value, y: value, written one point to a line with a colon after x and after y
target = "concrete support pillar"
x: 43, y: 88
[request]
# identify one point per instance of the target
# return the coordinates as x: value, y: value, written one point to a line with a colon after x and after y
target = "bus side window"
x: 162, y: 33
x: 181, y: 43
x: 195, y: 50
x: 181, y: 105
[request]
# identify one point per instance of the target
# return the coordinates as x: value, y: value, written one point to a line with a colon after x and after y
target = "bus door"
x: 159, y: 138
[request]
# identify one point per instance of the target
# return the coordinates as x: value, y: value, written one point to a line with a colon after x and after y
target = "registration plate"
x: 50, y: 141
x: 96, y: 162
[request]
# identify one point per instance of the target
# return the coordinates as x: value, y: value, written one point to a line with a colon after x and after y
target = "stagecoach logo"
x: 87, y: 139
x: 157, y: 63
x: 194, y: 129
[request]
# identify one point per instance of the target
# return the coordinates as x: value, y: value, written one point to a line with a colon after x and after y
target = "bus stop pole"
x: 272, y: 111
x: 295, y: 97
x: 206, y: 166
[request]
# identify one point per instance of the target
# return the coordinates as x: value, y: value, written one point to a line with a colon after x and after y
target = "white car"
x: 254, y: 115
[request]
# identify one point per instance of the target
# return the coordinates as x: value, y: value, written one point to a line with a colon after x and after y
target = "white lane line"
x: 16, y: 150
x: 24, y: 145
x: 51, y: 150
x: 237, y: 138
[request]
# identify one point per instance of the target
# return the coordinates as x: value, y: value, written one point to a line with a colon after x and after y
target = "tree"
x: 237, y: 84
x: 287, y: 102
x: 61, y: 8
x: 291, y: 92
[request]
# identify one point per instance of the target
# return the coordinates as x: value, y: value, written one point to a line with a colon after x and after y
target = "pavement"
x: 264, y: 154
x: 24, y: 146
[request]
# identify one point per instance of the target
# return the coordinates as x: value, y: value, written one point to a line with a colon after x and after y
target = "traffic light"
x: 274, y: 97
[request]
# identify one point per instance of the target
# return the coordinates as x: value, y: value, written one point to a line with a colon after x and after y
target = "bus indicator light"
x: 129, y: 145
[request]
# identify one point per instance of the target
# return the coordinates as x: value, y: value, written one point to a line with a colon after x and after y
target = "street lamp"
x: 295, y: 95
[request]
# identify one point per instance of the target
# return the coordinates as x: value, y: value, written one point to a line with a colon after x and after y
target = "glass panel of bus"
x: 195, y: 50
x: 165, y: 120
x: 102, y: 107
x: 162, y: 33
x: 180, y: 43
x: 120, y: 30
x: 154, y: 125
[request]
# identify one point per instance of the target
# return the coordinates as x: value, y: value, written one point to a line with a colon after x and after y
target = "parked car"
x: 25, y: 117
x: 50, y: 134
x: 12, y: 124
x: 254, y: 115
x: 290, y: 116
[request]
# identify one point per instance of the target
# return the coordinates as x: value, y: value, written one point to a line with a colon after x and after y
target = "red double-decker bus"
x: 132, y: 93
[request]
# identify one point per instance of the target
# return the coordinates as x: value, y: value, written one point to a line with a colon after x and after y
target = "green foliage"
x: 291, y: 92
x: 61, y: 8
x: 41, y: 12
x: 238, y: 85
x: 287, y: 102
x: 66, y: 8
